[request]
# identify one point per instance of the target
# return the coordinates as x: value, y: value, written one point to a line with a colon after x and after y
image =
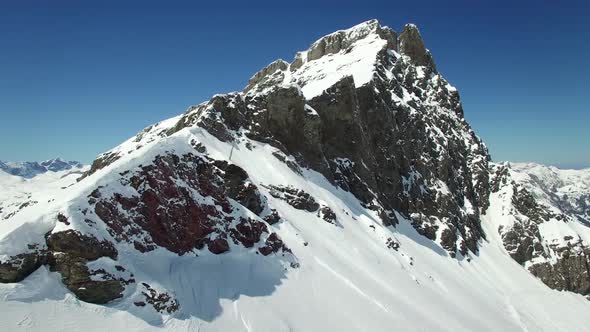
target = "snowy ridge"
x: 19, y: 192
x: 544, y: 223
x: 28, y: 169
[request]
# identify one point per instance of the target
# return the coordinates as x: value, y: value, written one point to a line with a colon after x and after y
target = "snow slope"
x: 348, y: 279
x: 19, y: 192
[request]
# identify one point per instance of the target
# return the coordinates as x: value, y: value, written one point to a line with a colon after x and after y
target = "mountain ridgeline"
x: 359, y: 142
x: 398, y: 142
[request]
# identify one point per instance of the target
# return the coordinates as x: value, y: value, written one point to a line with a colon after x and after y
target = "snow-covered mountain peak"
x: 29, y: 169
x: 350, y: 52
x: 364, y: 52
x: 349, y: 174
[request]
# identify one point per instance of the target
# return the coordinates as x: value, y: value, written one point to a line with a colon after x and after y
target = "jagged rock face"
x: 363, y: 108
x: 70, y: 253
x: 20, y: 266
x: 181, y: 205
x: 571, y: 272
x: 542, y: 233
x: 397, y: 142
x: 411, y: 44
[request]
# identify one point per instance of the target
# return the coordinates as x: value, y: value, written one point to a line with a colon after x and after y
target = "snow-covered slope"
x: 343, y: 191
x: 19, y: 192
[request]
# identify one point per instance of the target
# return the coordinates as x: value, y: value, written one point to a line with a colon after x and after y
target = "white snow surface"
x: 348, y: 279
x: 357, y: 60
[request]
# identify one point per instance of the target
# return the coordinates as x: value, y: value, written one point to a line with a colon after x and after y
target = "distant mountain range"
x: 29, y: 169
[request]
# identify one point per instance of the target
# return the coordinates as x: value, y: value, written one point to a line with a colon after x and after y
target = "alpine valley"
x: 343, y: 191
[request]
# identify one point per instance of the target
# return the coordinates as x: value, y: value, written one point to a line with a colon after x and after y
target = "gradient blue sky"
x: 79, y: 77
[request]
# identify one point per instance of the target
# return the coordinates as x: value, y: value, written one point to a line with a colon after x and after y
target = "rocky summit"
x: 344, y: 184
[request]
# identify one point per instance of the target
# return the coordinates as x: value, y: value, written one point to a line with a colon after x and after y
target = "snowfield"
x: 348, y: 278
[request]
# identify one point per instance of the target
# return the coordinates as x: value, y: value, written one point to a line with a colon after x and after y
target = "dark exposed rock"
x: 297, y: 198
x: 21, y: 266
x: 561, y: 266
x: 522, y: 241
x: 392, y: 244
x: 76, y: 276
x: 273, y: 244
x: 273, y: 217
x: 526, y: 204
x: 410, y: 43
x: 70, y: 251
x: 247, y: 232
x: 499, y: 178
x: 63, y: 219
x: 162, y: 302
x: 425, y: 226
x: 326, y: 213
x: 240, y: 189
x: 448, y: 240
x: 218, y: 246
x: 164, y: 214
x: 100, y: 162
x: 76, y: 244
x: 571, y: 272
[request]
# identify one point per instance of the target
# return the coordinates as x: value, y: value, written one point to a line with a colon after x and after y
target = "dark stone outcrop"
x: 68, y: 253
x: 162, y: 302
x: 20, y: 266
x: 79, y: 245
x: 297, y: 198
x: 326, y: 213
x: 240, y: 189
x: 570, y: 273
x: 100, y: 162
x: 164, y: 214
x: 410, y: 43
x: 77, y: 277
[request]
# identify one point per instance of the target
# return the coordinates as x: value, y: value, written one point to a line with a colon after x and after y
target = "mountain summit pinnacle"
x: 411, y: 44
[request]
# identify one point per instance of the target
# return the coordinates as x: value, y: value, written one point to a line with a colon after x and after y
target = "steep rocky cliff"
x: 545, y: 224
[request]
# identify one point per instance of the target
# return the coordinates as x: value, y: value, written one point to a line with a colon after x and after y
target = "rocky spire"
x: 410, y: 43
x: 279, y: 64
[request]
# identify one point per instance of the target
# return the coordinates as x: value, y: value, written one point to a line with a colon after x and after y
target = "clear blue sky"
x: 79, y: 77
